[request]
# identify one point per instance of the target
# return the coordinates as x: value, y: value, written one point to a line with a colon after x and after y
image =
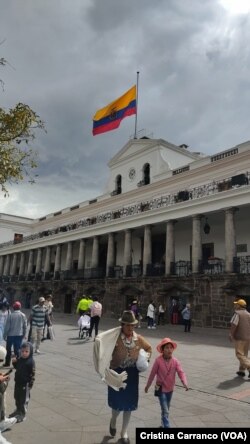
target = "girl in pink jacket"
x: 165, y: 368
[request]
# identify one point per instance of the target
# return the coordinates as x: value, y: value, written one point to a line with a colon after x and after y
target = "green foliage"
x: 17, y: 131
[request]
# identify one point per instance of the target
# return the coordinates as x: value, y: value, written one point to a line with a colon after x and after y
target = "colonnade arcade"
x: 71, y: 259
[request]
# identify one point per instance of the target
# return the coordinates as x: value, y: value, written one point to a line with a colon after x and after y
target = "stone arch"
x: 237, y: 288
x: 129, y: 293
x: 174, y: 297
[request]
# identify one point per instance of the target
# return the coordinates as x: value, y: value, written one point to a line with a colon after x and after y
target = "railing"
x: 215, y: 266
x: 137, y: 208
x: 183, y: 268
x: 155, y: 269
x: 242, y: 264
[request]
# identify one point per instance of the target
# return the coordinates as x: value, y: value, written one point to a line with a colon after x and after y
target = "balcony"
x: 181, y: 268
x: 242, y: 264
x: 213, y: 265
x: 155, y: 269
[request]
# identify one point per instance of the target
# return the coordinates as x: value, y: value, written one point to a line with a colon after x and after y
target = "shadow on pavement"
x: 231, y: 383
x: 106, y: 440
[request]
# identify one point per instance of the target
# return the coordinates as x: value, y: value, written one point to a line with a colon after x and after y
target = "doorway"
x: 68, y: 303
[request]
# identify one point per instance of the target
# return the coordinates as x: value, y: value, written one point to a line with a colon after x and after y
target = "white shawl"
x: 102, y: 354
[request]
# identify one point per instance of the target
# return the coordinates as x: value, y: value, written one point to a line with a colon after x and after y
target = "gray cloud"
x: 71, y: 58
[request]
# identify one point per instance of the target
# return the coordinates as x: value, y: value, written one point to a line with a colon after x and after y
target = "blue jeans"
x: 16, y: 342
x: 150, y: 322
x: 164, y: 400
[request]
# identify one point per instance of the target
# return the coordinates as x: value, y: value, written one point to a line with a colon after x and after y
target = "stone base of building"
x: 211, y: 297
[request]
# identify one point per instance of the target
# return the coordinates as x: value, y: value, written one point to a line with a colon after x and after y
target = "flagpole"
x: 137, y: 85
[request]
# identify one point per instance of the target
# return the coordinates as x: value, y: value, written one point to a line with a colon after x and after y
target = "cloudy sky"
x: 66, y: 59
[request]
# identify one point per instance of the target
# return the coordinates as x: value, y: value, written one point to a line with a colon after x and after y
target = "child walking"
x: 24, y: 380
x: 165, y: 368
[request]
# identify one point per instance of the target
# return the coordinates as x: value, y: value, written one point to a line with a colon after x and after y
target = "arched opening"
x: 146, y: 173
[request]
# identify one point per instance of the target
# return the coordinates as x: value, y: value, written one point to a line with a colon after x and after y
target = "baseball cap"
x: 17, y: 305
x: 241, y: 302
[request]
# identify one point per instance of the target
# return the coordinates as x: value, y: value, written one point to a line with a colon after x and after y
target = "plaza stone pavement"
x: 69, y: 401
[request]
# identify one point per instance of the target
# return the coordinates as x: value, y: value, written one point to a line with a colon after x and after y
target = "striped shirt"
x: 38, y: 314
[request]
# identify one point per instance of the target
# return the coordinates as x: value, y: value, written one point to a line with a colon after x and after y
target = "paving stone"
x: 69, y: 401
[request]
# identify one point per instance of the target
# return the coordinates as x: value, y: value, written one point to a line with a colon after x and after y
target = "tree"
x: 17, y: 131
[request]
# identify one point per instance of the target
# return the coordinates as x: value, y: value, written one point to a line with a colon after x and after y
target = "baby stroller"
x: 84, y: 326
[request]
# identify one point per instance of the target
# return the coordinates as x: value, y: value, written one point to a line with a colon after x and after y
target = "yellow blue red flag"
x: 110, y: 117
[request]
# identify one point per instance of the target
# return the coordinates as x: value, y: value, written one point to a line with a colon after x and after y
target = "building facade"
x: 172, y: 226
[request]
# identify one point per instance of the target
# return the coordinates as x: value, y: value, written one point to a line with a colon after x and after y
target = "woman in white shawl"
x: 115, y: 356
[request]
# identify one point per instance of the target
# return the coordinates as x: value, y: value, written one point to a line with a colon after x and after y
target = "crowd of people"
x: 16, y: 353
x: 160, y: 314
x: 120, y: 354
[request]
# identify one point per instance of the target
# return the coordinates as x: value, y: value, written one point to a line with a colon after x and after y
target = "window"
x: 146, y: 174
x: 118, y: 184
x: 241, y: 248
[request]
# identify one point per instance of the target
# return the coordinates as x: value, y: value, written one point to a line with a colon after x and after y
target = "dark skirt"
x: 126, y: 399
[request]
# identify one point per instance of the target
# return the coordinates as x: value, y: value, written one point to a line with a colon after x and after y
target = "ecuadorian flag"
x: 110, y: 117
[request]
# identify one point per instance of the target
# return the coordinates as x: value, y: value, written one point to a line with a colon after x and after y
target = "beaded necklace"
x: 129, y: 345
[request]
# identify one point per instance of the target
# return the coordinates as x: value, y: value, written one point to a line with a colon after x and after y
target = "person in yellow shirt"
x: 90, y: 302
x: 83, y: 305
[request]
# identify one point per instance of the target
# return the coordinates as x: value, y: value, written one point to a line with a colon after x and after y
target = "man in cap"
x: 240, y: 334
x: 37, y: 320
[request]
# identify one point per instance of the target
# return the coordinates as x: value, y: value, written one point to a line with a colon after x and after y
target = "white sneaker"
x: 7, y: 423
x: 37, y: 351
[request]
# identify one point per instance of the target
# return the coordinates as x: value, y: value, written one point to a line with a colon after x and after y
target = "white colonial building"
x: 172, y: 224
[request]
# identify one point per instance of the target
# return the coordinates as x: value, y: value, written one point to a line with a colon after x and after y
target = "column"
x: 6, y: 271
x: 196, y: 244
x: 110, y: 254
x: 95, y: 253
x: 69, y: 257
x: 30, y: 263
x: 230, y: 239
x: 81, y: 256
x: 147, y: 248
x: 57, y: 268
x: 14, y: 265
x: 22, y: 264
x: 127, y: 259
x: 39, y: 261
x: 1, y: 265
x: 47, y: 260
x: 170, y: 248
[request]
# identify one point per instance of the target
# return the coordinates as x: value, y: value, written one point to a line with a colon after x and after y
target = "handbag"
x: 158, y: 390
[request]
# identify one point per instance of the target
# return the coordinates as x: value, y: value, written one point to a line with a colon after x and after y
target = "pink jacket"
x: 96, y: 309
x: 165, y: 372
